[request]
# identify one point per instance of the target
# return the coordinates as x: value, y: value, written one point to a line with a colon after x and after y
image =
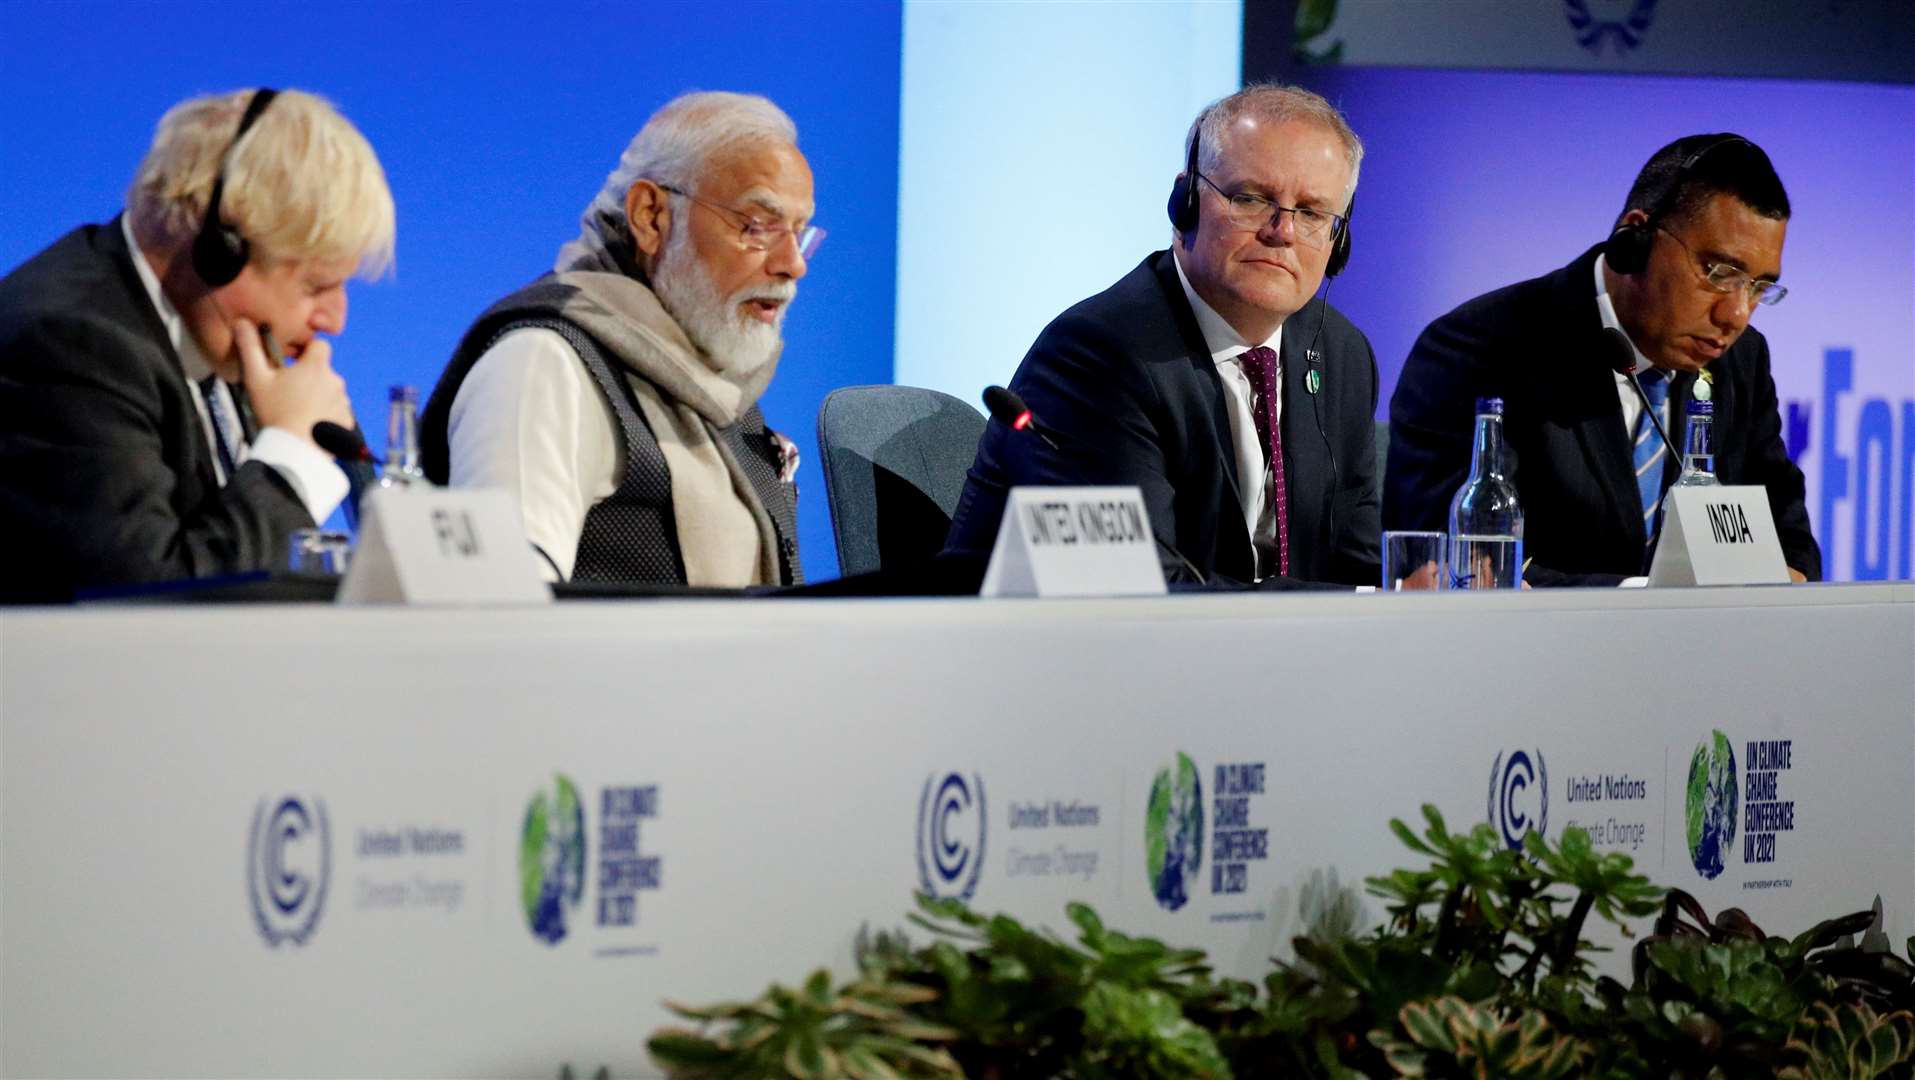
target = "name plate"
x: 1074, y: 541
x: 442, y: 546
x: 1718, y: 536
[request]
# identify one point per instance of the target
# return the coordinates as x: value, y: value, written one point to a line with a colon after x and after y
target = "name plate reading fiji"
x: 441, y: 546
x: 1718, y: 536
x: 1074, y: 541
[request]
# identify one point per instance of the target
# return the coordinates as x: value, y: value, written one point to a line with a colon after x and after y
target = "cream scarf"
x: 724, y: 534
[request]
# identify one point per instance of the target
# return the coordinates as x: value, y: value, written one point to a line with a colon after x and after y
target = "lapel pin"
x: 1313, y: 381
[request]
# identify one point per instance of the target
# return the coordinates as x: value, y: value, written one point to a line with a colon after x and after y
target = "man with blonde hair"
x: 1210, y: 376
x: 617, y: 396
x: 146, y: 434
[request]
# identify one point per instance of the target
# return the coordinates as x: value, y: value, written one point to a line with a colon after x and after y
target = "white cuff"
x: 316, y: 478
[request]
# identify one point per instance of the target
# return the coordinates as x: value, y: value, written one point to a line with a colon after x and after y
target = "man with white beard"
x: 617, y: 396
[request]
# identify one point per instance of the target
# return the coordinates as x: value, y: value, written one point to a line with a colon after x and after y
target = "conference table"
x: 271, y: 840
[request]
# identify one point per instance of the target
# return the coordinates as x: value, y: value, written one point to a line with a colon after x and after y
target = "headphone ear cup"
x: 1627, y: 249
x: 219, y: 254
x: 1340, y: 254
x: 1182, y: 208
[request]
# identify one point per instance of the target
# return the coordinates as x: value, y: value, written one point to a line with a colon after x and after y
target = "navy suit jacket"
x: 1539, y: 345
x: 108, y: 478
x: 1127, y: 383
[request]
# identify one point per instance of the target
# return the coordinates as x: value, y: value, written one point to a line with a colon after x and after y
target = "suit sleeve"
x: 1358, y: 557
x: 1768, y: 464
x: 1431, y: 423
x: 92, y: 496
x: 1080, y: 385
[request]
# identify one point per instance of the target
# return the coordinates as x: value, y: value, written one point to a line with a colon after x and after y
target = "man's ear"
x: 1633, y: 217
x: 648, y: 211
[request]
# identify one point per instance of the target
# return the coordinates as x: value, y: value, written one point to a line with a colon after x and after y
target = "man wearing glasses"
x: 617, y: 396
x: 1209, y: 376
x: 1697, y: 247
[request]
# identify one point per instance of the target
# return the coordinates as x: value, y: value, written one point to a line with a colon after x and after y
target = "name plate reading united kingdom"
x: 1074, y: 541
x: 1718, y: 536
x: 439, y: 546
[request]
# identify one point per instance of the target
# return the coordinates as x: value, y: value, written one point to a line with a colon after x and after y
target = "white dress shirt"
x: 528, y: 419
x: 1226, y: 350
x: 313, y: 474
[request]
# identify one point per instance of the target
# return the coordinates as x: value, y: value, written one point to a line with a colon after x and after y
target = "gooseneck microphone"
x: 1008, y: 408
x: 1623, y: 358
x: 342, y: 442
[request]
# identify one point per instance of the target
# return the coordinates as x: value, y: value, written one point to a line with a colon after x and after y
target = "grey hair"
x: 1272, y: 103
x: 673, y: 148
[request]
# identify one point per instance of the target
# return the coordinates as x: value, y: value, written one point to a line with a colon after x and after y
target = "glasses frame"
x: 1722, y: 278
x: 808, y: 237
x: 1277, y: 210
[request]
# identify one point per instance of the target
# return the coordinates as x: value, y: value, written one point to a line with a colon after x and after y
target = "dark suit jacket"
x: 108, y: 478
x: 1538, y: 344
x: 1126, y: 381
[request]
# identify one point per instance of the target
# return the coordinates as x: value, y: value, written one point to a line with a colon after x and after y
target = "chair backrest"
x: 1382, y: 437
x: 895, y: 458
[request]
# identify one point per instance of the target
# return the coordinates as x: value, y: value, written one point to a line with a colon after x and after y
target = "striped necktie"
x: 223, y: 438
x: 1650, y: 451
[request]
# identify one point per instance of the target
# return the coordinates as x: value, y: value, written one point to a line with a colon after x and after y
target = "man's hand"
x: 296, y: 396
x: 1797, y: 575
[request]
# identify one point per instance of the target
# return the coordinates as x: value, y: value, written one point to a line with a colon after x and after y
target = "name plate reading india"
x: 1718, y: 536
x: 442, y: 546
x: 1074, y: 541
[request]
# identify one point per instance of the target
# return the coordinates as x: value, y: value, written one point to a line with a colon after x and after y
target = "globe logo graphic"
x: 552, y: 859
x: 1711, y: 804
x: 1174, y: 832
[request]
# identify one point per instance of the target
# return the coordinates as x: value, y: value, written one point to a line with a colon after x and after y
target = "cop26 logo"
x: 1711, y: 804
x: 1518, y: 796
x: 951, y: 827
x: 288, y: 865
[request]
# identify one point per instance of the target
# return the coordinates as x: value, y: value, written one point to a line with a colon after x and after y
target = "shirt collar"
x: 1220, y: 337
x: 192, y: 361
x: 1607, y: 309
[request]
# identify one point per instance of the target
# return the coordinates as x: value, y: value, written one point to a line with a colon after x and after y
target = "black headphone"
x: 219, y: 251
x: 1627, y: 249
x: 1183, y: 206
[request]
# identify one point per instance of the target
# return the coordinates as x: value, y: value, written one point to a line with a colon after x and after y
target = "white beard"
x: 729, y: 338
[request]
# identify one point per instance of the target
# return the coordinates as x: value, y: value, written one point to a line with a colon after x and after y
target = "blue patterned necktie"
x: 1650, y: 451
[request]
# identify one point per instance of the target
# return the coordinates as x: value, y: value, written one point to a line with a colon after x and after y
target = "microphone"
x: 344, y: 443
x: 1623, y: 358
x: 1008, y: 408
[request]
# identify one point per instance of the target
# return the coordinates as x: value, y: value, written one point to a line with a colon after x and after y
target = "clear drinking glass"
x: 319, y: 551
x: 1415, y: 560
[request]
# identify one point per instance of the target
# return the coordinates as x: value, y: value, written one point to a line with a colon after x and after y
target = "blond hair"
x: 302, y: 183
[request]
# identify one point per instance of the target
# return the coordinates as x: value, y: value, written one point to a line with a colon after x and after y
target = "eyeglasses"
x: 1723, y: 278
x: 757, y: 234
x: 1314, y: 227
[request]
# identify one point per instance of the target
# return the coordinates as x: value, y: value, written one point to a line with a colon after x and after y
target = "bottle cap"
x: 1490, y: 406
x: 400, y: 392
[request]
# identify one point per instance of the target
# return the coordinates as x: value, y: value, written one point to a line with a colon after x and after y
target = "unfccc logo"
x: 288, y: 863
x: 1518, y: 796
x: 951, y: 835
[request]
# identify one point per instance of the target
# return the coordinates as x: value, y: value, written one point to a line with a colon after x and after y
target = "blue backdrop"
x: 496, y: 123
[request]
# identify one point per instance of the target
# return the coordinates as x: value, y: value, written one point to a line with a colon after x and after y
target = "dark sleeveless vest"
x: 631, y: 535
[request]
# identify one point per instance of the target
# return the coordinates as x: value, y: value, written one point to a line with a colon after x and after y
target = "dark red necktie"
x: 1260, y: 365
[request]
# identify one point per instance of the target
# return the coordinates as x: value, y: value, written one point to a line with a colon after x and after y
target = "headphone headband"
x: 219, y: 251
